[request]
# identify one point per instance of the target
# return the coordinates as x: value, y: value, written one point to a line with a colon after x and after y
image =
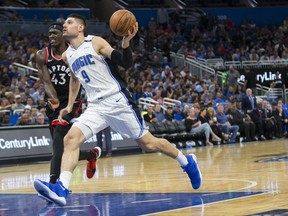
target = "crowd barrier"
x: 23, y: 142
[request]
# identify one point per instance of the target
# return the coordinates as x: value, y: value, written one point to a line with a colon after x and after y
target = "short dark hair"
x: 82, y: 20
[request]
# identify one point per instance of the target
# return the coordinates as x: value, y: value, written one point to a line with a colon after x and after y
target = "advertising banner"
x: 264, y: 76
x: 35, y: 141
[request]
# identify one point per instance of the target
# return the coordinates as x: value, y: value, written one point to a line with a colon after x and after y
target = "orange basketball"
x: 121, y: 21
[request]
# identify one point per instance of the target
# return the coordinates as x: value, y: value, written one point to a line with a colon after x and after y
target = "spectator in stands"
x: 166, y: 73
x: 212, y: 120
x: 26, y: 94
x: 225, y: 125
x: 275, y: 57
x: 264, y: 57
x: 194, y: 126
x: 249, y: 102
x: 38, y: 94
x: 177, y: 112
x: 232, y: 77
x: 152, y: 24
x: 281, y: 119
x: 40, y: 120
x: 43, y: 111
x: 200, y: 87
x: 169, y: 116
x: 5, y: 121
x: 4, y: 105
x: 240, y: 93
x: 236, y: 56
x: 61, y: 18
x: 138, y: 93
x: 253, y: 56
x: 162, y: 17
x: 250, y: 80
x: 148, y: 93
x: 159, y: 113
x: 34, y: 114
x: 219, y: 98
x: 185, y: 111
x: 158, y: 96
x: 29, y: 101
x: 247, y: 127
x: 25, y: 119
x: 18, y: 105
x: 257, y: 116
x: 279, y: 83
x: 270, y: 127
x: 149, y: 116
x: 230, y: 92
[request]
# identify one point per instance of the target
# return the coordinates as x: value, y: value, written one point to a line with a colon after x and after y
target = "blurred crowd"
x: 151, y: 77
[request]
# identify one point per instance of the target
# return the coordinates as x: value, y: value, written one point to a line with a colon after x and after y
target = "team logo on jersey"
x: 81, y: 62
x: 59, y: 68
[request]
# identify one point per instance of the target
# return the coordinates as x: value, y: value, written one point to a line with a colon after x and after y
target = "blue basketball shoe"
x: 193, y: 171
x: 55, y: 193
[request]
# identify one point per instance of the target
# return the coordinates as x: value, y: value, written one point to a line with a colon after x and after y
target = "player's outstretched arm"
x: 45, y: 79
x: 74, y: 87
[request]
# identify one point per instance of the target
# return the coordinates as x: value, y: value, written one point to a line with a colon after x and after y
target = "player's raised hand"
x: 131, y: 34
x: 53, y: 103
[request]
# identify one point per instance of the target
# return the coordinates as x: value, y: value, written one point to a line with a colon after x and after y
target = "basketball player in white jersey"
x: 93, y: 63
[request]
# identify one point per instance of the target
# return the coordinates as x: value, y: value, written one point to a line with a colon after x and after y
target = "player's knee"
x: 152, y: 145
x: 70, y: 141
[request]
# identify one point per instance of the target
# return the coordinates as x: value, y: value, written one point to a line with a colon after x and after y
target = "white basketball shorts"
x: 115, y: 111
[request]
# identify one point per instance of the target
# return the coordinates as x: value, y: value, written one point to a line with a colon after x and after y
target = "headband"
x: 58, y: 27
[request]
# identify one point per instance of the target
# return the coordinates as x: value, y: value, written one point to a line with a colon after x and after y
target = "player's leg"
x: 58, y: 148
x: 81, y: 130
x: 188, y: 163
x: 125, y: 120
x: 58, y: 192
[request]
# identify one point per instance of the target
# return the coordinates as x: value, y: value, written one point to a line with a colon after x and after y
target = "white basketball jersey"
x: 93, y: 71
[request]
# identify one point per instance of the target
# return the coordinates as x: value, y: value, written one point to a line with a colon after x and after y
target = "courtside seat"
x: 174, y: 131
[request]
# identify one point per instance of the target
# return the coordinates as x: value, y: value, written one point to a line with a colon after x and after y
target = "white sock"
x: 65, y: 178
x: 182, y: 160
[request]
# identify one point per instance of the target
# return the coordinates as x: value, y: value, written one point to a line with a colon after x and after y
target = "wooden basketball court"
x: 240, y: 179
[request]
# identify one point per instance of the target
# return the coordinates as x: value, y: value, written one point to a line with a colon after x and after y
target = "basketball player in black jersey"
x: 55, y: 75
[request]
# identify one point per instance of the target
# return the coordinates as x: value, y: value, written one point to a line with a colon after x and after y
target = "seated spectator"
x: 177, y: 112
x: 281, y: 119
x: 18, y: 103
x: 34, y: 114
x: 257, y: 116
x: 247, y: 127
x: 230, y: 92
x: 159, y: 113
x: 212, y: 120
x: 149, y: 116
x: 148, y: 93
x: 158, y: 97
x: 185, y: 111
x: 270, y: 126
x: 225, y: 125
x: 5, y: 121
x: 29, y: 101
x: 169, y: 116
x: 25, y: 119
x: 40, y: 120
x: 194, y: 126
x: 239, y: 93
x: 43, y: 111
x: 38, y: 94
x: 219, y: 98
